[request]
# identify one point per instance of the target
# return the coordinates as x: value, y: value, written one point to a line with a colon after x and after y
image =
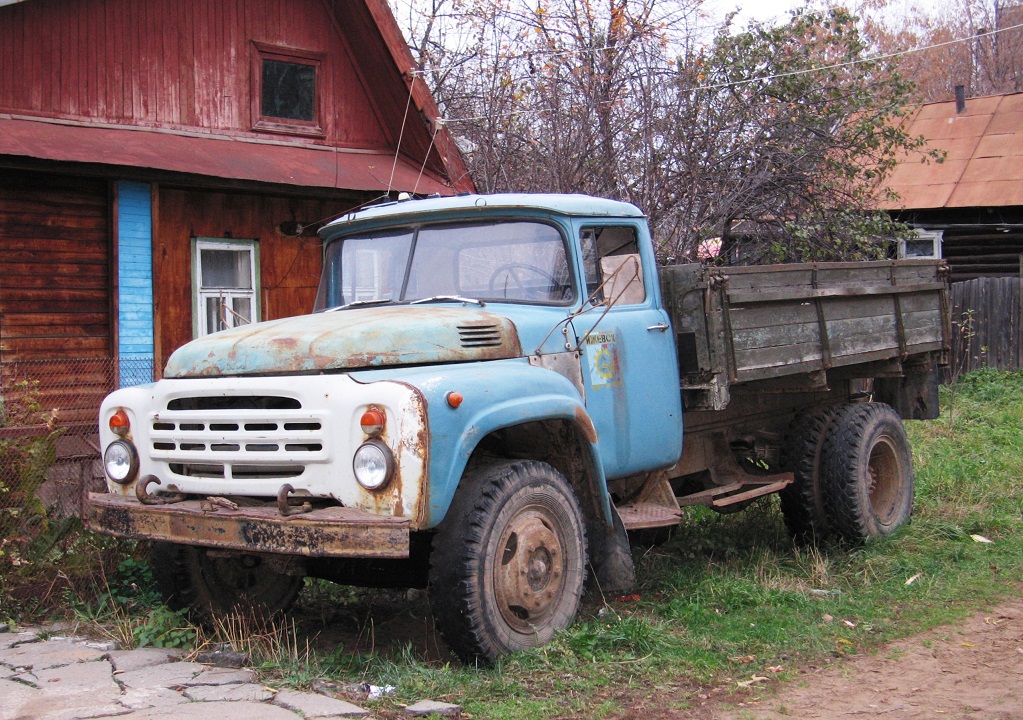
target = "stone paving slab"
x: 222, y: 711
x: 42, y: 655
x: 9, y: 639
x: 128, y: 660
x: 168, y: 675
x: 64, y: 679
x: 80, y: 690
x: 14, y: 695
x: 147, y: 698
x: 425, y: 708
x: 222, y: 676
x: 312, y: 705
x: 229, y: 693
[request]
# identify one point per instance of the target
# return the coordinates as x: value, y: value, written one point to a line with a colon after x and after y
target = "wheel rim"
x: 529, y: 575
x: 884, y: 478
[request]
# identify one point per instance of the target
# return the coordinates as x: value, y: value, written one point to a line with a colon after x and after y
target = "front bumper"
x: 324, y: 532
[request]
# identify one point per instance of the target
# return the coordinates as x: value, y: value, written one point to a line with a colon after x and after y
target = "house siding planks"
x: 187, y: 66
x: 55, y: 324
x: 135, y: 282
x: 289, y: 266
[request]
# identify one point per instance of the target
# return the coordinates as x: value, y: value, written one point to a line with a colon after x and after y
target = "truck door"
x: 627, y: 352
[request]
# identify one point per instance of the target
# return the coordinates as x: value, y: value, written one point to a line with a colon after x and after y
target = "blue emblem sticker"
x: 602, y: 357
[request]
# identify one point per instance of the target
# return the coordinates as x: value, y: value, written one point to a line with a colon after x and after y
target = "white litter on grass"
x: 981, y: 539
x: 914, y: 578
x: 376, y: 692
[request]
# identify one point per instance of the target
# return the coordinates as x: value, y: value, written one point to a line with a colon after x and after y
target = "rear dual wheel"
x: 869, y: 466
x: 853, y: 474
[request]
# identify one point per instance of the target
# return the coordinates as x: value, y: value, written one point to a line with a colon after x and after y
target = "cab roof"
x: 463, y: 205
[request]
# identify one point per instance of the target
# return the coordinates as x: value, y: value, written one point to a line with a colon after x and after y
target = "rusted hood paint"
x: 350, y: 339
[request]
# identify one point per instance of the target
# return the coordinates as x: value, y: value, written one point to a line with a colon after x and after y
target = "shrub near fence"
x: 49, y: 459
x: 987, y: 317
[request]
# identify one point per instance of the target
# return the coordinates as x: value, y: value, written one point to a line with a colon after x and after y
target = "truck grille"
x: 237, y: 437
x: 476, y: 336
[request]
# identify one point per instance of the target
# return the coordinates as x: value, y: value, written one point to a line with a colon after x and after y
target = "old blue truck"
x: 493, y: 391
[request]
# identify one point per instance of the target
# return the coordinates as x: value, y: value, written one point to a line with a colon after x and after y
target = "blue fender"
x: 496, y: 395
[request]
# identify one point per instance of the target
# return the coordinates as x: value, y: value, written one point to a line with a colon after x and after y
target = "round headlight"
x: 373, y: 465
x: 121, y: 462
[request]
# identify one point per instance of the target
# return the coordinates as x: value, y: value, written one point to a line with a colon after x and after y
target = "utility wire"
x: 763, y: 78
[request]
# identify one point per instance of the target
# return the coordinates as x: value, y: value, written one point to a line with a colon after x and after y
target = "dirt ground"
x: 973, y: 671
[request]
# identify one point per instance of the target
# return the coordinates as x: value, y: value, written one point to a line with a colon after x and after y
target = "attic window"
x: 286, y: 90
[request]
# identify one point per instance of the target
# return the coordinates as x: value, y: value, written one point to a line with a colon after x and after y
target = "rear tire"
x: 802, y: 502
x: 211, y: 584
x: 509, y: 560
x: 868, y: 467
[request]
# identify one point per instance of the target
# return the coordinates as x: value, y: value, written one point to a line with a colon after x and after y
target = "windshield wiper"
x: 450, y: 298
x: 359, y: 303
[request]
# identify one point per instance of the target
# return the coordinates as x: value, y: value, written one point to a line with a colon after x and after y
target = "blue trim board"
x: 135, y: 282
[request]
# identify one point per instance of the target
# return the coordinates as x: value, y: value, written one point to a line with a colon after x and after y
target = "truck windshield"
x: 514, y: 261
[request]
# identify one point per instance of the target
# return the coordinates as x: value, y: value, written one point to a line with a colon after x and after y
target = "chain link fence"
x: 49, y: 460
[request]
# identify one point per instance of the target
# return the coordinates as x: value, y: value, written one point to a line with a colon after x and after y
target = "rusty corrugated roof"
x: 984, y: 161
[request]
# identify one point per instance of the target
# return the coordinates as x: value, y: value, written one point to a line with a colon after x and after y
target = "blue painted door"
x: 627, y: 351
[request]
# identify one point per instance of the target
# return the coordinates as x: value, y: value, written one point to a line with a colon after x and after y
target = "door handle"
x: 659, y: 326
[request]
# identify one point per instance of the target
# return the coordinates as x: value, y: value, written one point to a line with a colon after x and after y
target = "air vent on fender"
x: 477, y: 336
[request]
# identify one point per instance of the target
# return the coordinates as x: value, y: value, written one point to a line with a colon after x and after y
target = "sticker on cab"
x: 602, y: 357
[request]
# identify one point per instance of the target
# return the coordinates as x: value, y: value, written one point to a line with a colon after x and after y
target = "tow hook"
x: 284, y: 507
x: 142, y: 493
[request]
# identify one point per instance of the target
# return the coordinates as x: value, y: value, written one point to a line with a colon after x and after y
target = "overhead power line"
x: 759, y: 78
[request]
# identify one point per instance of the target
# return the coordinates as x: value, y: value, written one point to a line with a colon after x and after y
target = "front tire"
x: 212, y: 584
x: 868, y: 467
x: 509, y: 560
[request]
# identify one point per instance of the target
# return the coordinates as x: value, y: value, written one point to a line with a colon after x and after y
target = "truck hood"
x: 350, y: 339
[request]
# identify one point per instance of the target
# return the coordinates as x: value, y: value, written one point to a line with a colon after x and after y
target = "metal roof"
x: 228, y: 157
x: 984, y: 162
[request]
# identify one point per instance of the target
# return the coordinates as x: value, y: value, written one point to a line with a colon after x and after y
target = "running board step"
x: 645, y: 515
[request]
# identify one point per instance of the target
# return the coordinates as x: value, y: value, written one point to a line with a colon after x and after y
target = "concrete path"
x: 62, y: 678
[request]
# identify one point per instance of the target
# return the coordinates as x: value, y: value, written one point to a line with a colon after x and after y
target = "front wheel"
x: 213, y: 583
x: 509, y: 560
x: 868, y: 471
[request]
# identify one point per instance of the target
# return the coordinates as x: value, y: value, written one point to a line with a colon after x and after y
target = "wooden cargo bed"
x: 768, y: 323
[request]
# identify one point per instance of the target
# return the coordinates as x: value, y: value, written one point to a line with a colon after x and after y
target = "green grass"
x: 730, y: 597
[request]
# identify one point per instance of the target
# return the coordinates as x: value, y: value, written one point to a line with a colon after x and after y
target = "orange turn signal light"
x: 454, y: 398
x: 119, y: 423
x: 373, y: 421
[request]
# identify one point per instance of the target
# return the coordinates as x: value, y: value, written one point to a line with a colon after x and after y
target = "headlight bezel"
x: 132, y: 457
x: 373, y: 459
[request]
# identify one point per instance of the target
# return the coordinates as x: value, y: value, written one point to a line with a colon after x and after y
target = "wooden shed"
x: 164, y: 166
x: 968, y: 209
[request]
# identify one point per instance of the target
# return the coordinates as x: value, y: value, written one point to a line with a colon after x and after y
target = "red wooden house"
x: 164, y: 165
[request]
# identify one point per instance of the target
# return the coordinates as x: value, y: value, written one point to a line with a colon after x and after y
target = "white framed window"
x: 225, y: 282
x: 926, y: 244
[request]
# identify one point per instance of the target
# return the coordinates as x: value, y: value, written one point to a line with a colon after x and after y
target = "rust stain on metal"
x: 585, y: 424
x: 350, y: 339
x: 323, y: 532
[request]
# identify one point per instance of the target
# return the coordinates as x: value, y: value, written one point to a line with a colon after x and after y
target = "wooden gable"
x: 185, y: 71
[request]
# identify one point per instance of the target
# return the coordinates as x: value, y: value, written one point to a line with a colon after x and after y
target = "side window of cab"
x: 614, y: 272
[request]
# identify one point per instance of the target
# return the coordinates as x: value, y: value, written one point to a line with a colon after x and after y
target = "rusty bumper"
x: 323, y: 532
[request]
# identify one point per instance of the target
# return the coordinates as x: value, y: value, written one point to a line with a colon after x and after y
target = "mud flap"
x: 612, y: 572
